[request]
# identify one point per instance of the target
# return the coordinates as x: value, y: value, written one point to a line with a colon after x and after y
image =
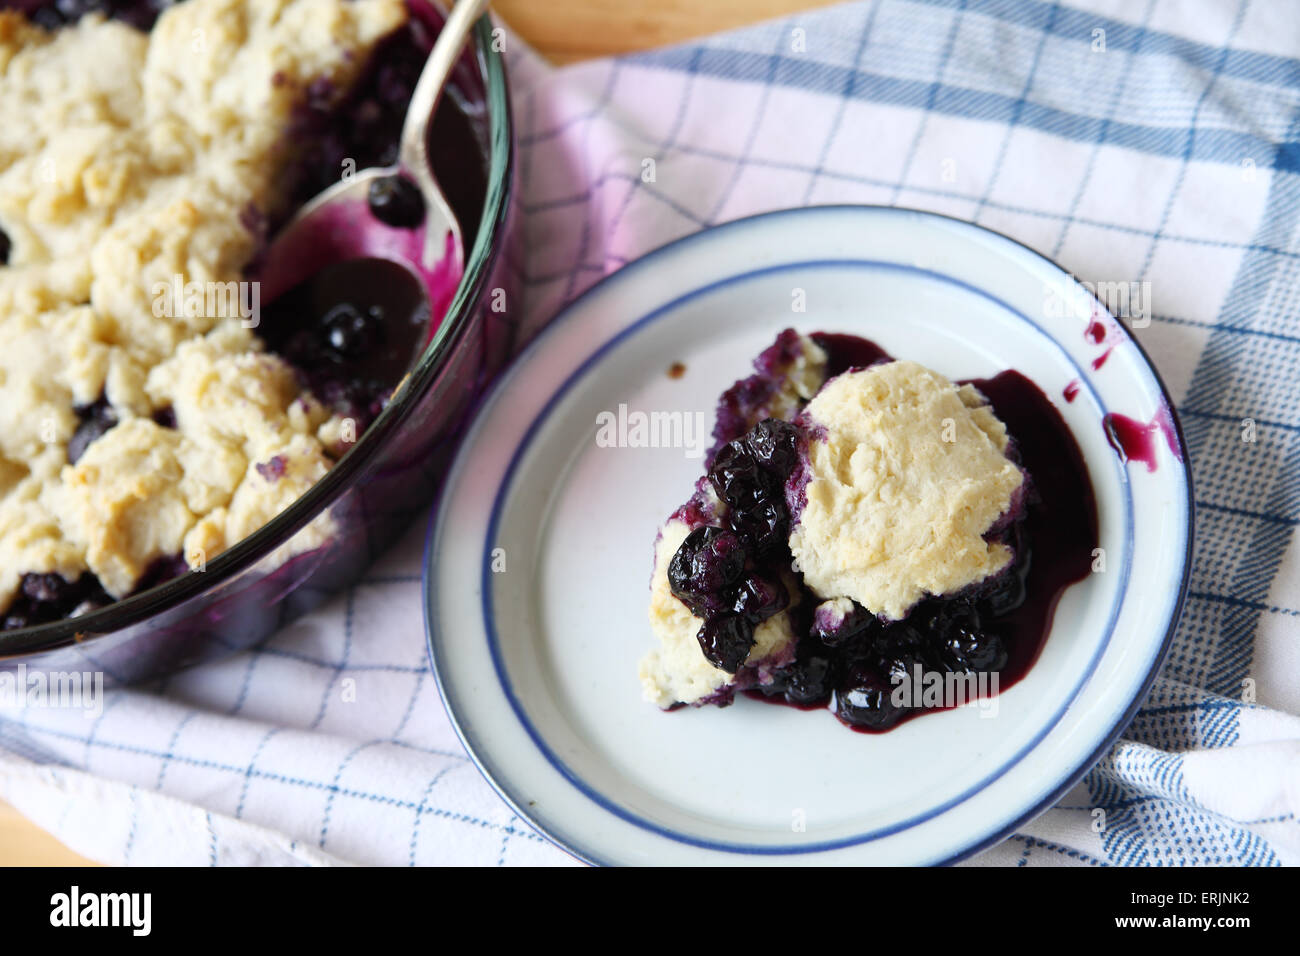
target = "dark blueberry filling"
x: 351, y: 332
x: 853, y: 662
x: 706, y: 570
x: 96, y: 419
x: 161, y: 569
x: 5, y: 248
x: 715, y: 575
x: 731, y: 577
x: 363, y: 131
x: 844, y: 352
x: 43, y: 598
x: 49, y: 597
x: 726, y: 640
x: 746, y: 402
x: 396, y: 200
x: 846, y: 658
x: 855, y: 668
x: 165, y: 416
x: 140, y: 14
x: 749, y: 474
x: 833, y: 628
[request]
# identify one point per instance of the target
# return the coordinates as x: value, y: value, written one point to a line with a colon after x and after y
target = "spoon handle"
x: 414, y: 149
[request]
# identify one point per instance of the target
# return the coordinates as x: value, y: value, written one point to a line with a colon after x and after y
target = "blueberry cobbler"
x: 864, y: 520
x: 142, y: 142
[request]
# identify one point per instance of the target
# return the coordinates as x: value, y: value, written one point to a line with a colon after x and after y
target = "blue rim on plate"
x: 631, y: 329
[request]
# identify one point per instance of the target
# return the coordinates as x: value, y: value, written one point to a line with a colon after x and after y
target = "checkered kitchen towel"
x: 1153, y: 140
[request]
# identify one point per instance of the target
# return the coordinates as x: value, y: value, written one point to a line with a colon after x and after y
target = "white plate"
x: 539, y: 558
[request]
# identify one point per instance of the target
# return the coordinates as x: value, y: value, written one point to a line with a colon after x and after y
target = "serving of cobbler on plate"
x: 862, y: 521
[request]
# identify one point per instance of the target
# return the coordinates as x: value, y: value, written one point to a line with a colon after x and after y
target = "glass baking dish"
x: 376, y: 490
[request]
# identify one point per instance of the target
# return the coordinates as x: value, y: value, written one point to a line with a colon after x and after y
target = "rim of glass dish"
x: 261, y: 543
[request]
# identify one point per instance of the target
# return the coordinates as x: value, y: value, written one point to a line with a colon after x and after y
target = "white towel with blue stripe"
x: 1156, y: 140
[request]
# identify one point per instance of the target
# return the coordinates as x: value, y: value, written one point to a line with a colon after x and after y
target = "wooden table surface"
x: 564, y: 31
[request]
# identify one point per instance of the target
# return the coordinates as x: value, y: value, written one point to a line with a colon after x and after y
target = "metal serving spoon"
x: 339, y: 224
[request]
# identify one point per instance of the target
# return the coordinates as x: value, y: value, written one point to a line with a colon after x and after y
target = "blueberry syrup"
x: 1071, y: 390
x: 1061, y: 519
x: 844, y: 352
x: 351, y: 332
x: 1100, y: 360
x: 1138, y: 441
x: 1095, y: 332
x: 850, y: 660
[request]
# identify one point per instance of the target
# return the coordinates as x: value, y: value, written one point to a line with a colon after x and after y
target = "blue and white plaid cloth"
x: 1148, y: 140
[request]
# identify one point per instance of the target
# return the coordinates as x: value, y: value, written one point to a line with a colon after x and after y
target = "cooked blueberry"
x: 810, y: 681
x: 764, y: 526
x: 396, y: 200
x: 705, y: 569
x: 863, y: 699
x: 738, y: 478
x: 96, y: 419
x: 726, y: 640
x: 45, y: 588
x: 758, y: 598
x: 48, y: 597
x: 965, y: 650
x: 903, y: 668
x: 348, y: 331
x: 838, y: 621
x: 775, y: 445
x: 951, y: 617
x: 5, y: 247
